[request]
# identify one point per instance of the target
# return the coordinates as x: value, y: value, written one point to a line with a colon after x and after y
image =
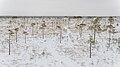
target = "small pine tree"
x: 10, y: 34
x: 16, y: 31
x: 25, y: 33
x: 80, y: 28
x: 32, y: 25
x: 110, y: 27
x: 59, y: 27
x: 43, y: 25
x: 91, y: 41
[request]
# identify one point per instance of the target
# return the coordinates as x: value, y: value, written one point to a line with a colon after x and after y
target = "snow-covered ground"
x: 73, y: 51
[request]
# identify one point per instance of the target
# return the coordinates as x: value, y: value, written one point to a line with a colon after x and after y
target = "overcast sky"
x: 59, y: 7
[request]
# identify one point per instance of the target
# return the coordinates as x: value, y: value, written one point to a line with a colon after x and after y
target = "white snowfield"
x: 59, y: 43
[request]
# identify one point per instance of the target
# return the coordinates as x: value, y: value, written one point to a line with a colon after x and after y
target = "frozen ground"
x: 73, y: 51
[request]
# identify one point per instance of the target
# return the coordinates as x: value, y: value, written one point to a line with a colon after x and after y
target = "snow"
x: 73, y: 51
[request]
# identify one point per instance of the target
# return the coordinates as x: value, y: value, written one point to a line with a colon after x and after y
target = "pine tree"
x: 43, y: 25
x: 32, y: 25
x: 16, y: 31
x: 80, y: 28
x: 10, y: 34
x: 25, y: 33
x: 95, y: 27
x: 59, y: 27
x: 91, y: 41
x: 110, y: 27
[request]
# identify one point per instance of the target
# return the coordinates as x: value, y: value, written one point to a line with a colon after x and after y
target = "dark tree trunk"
x: 24, y: 24
x: 43, y: 33
x: 94, y: 36
x: 16, y: 36
x: 90, y: 50
x: 68, y: 23
x: 52, y: 24
x: 60, y: 35
x: 9, y: 44
x: 81, y: 32
x: 109, y: 37
x: 37, y: 28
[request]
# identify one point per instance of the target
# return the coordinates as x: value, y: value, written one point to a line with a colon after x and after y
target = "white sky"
x: 59, y: 7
